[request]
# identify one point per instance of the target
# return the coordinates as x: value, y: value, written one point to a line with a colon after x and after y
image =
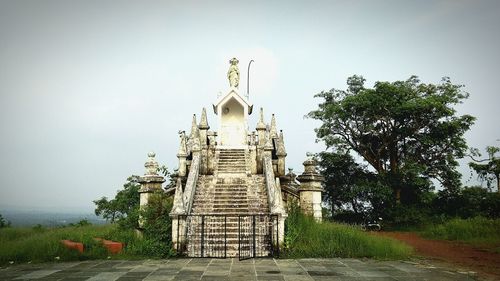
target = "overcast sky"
x: 87, y: 88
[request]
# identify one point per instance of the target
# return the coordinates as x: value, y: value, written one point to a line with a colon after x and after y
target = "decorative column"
x: 150, y: 183
x: 310, y: 190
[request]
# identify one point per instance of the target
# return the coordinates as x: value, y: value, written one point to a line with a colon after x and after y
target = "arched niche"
x: 232, y: 127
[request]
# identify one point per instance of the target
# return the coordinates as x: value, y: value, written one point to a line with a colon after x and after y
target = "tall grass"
x: 477, y: 231
x: 305, y: 238
x: 40, y: 244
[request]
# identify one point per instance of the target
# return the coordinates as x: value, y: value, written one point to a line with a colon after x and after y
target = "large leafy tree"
x: 407, y: 131
x: 487, y: 169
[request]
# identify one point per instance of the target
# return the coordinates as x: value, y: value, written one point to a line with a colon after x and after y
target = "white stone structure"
x: 233, y: 110
x: 232, y: 174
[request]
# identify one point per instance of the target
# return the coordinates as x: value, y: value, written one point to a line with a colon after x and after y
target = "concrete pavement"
x: 233, y: 269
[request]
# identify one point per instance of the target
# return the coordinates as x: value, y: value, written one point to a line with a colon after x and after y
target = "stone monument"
x: 230, y: 194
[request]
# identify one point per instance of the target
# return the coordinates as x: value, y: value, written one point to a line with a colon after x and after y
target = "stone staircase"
x: 231, y: 194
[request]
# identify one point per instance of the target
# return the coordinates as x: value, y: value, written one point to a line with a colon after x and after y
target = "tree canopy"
x: 487, y: 169
x: 125, y: 205
x: 407, y: 131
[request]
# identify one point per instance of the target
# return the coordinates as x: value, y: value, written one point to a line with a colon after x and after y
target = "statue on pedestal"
x: 233, y: 74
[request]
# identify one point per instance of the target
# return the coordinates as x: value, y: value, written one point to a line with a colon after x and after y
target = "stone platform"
x: 233, y: 269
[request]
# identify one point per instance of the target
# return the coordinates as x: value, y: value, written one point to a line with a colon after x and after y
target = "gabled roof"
x: 233, y: 93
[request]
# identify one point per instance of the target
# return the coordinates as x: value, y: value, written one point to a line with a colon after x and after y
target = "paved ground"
x: 233, y: 269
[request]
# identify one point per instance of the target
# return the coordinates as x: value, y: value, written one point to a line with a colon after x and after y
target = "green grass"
x: 475, y: 231
x: 306, y: 238
x: 40, y: 244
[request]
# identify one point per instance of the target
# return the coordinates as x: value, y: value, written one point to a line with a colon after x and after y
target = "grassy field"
x: 476, y: 231
x: 306, y: 238
x: 39, y: 244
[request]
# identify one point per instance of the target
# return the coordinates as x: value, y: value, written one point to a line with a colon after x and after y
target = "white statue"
x: 233, y: 74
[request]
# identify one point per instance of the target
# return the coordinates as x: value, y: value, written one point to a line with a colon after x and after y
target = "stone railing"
x: 191, y: 182
x: 273, y: 189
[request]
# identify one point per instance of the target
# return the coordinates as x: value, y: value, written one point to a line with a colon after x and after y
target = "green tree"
x: 124, y: 208
x: 350, y: 186
x: 468, y: 202
x: 407, y: 131
x: 4, y: 222
x: 490, y: 170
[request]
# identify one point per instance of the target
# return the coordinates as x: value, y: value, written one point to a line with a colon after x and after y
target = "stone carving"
x: 151, y: 165
x: 233, y: 74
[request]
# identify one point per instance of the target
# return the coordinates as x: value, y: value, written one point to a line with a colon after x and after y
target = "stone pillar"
x: 150, y: 183
x: 310, y: 190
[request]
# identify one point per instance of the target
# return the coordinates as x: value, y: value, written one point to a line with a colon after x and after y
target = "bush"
x: 305, y: 238
x: 468, y: 203
x: 157, y: 228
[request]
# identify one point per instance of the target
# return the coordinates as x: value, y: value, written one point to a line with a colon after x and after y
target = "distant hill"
x: 48, y: 218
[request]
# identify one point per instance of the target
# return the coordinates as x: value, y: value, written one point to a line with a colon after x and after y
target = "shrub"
x: 157, y: 228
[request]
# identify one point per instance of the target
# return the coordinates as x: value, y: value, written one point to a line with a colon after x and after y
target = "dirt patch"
x: 485, y: 263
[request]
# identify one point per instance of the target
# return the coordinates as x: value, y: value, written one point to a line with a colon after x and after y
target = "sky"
x: 88, y: 88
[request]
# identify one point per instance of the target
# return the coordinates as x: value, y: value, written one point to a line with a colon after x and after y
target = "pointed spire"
x: 261, y: 125
x: 182, y: 147
x: 194, y: 128
x: 273, y: 130
x: 280, y: 150
x: 178, y: 207
x: 203, y: 121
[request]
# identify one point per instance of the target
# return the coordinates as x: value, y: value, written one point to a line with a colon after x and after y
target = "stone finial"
x: 178, y: 207
x: 194, y: 128
x: 281, y: 151
x: 261, y: 125
x: 183, y: 146
x: 203, y: 121
x: 310, y: 174
x: 151, y: 165
x: 273, y: 130
x: 310, y: 166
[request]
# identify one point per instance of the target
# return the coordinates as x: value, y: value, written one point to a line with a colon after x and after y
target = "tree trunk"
x: 394, y: 167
